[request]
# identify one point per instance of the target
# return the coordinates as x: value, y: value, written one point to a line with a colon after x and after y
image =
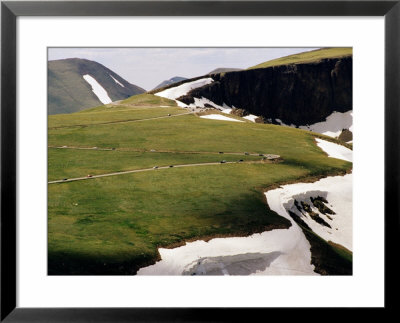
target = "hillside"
x: 129, y: 178
x: 306, y: 90
x: 171, y: 81
x: 76, y: 84
x: 307, y: 57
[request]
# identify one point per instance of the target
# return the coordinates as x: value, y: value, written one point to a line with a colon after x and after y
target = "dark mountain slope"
x: 69, y: 92
x: 171, y: 81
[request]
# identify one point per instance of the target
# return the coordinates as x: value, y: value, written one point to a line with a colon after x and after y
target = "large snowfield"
x: 276, y: 252
x: 333, y: 125
x: 97, y: 89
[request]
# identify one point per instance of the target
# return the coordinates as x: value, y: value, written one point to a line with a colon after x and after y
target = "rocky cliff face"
x: 296, y: 94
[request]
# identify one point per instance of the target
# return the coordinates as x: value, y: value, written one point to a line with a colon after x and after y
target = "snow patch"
x: 226, y: 110
x: 97, y: 89
x: 183, y: 89
x: 116, y: 81
x: 219, y: 117
x: 334, y: 150
x: 333, y: 125
x: 251, y: 117
x: 201, y: 103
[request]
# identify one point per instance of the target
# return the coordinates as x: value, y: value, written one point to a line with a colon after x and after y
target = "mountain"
x: 170, y: 82
x: 224, y: 70
x: 75, y: 84
x: 296, y: 91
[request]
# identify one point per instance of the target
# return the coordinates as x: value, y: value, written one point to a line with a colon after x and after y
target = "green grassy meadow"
x: 114, y: 225
x: 307, y: 57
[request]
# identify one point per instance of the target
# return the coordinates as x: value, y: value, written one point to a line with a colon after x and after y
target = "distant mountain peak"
x: 77, y: 83
x: 172, y: 80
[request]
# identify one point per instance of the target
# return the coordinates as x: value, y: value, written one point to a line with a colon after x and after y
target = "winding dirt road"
x: 142, y: 170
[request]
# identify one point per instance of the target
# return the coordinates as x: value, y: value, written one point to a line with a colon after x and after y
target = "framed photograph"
x: 254, y: 144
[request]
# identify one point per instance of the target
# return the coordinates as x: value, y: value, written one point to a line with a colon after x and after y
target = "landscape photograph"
x: 200, y: 161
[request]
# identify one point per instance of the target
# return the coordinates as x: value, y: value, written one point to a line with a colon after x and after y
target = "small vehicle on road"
x: 223, y: 161
x: 171, y: 165
x: 246, y: 153
x: 221, y: 152
x: 89, y: 175
x: 169, y: 114
x: 240, y: 160
x: 155, y: 167
x: 65, y: 179
x: 261, y: 155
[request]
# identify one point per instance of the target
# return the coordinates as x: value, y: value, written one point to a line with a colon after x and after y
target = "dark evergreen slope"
x: 170, y: 82
x: 295, y: 93
x: 68, y: 91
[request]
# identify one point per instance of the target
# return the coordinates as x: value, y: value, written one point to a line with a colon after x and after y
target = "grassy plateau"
x: 308, y: 57
x: 114, y: 225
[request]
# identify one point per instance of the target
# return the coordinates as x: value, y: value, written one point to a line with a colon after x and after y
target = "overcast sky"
x: 147, y: 67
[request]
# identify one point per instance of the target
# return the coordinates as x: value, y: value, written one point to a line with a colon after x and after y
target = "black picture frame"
x: 10, y: 10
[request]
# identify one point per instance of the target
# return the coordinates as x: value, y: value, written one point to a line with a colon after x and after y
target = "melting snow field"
x: 334, y: 150
x: 175, y: 92
x: 219, y: 117
x: 276, y: 252
x: 333, y: 125
x: 97, y: 89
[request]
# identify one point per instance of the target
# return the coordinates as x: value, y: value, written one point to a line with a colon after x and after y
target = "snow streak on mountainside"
x: 97, y: 89
x: 175, y: 92
x: 116, y: 81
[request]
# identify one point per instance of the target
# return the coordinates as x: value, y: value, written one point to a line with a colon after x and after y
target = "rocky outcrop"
x: 297, y: 94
